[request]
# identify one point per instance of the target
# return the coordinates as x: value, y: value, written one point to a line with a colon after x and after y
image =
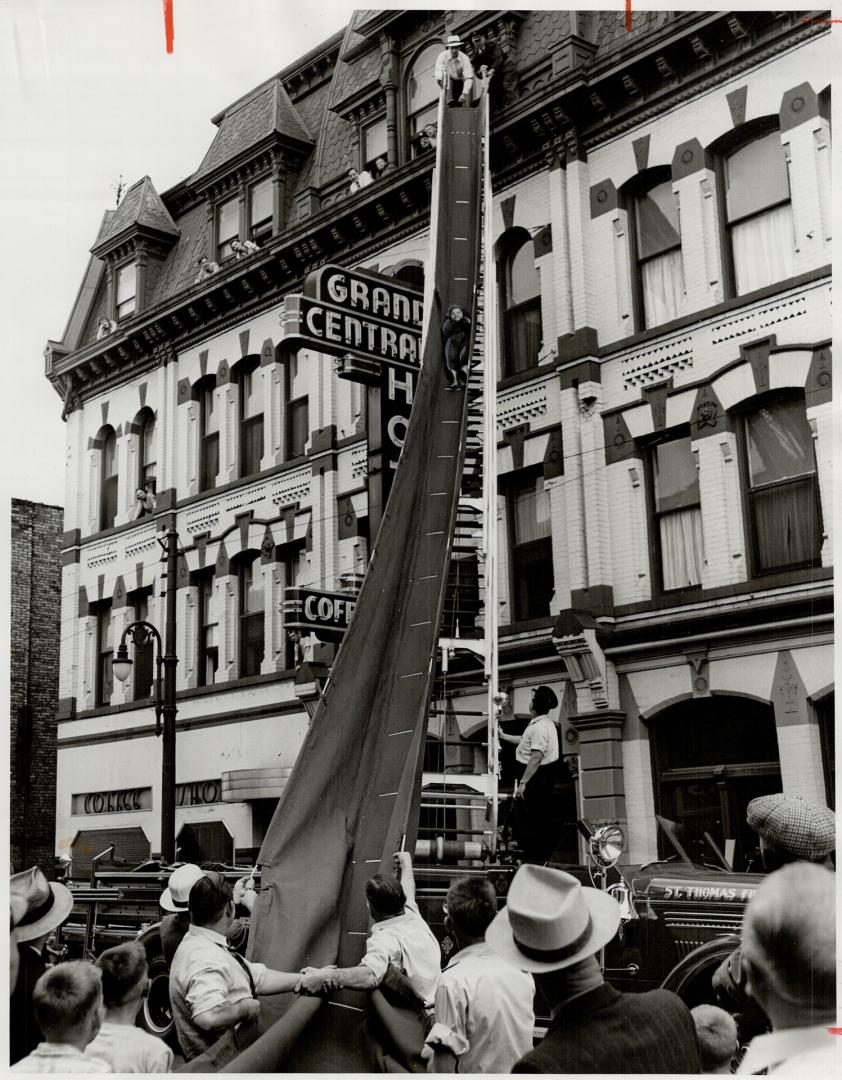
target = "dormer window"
x: 373, y: 143
x: 126, y: 298
x: 260, y: 211
x: 227, y: 227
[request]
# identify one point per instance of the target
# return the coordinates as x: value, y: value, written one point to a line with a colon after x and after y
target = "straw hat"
x: 551, y: 921
x: 177, y: 892
x: 47, y: 903
x: 454, y: 41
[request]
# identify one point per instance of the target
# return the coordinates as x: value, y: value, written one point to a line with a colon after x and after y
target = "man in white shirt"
x: 537, y: 754
x: 483, y: 1014
x: 454, y: 71
x: 212, y: 989
x: 399, y: 936
x: 789, y: 958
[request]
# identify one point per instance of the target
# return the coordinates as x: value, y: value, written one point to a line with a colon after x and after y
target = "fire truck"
x: 679, y: 919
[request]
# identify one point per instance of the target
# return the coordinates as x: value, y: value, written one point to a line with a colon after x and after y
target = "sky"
x: 88, y: 93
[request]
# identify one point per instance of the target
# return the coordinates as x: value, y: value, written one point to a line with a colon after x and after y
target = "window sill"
x: 183, y: 695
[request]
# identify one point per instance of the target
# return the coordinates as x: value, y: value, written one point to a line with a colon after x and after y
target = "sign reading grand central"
x: 355, y: 313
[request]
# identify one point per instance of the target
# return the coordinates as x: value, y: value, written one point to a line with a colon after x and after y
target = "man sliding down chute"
x: 354, y: 792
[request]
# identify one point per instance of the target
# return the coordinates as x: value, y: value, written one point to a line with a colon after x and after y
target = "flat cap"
x: 792, y: 826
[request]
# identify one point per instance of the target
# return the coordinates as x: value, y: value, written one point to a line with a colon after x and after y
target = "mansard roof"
x: 266, y: 111
x: 141, y: 207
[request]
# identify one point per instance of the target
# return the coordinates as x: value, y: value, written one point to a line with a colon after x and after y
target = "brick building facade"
x: 661, y: 223
x: 35, y: 608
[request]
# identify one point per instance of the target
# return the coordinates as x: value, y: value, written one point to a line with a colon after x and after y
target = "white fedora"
x: 551, y: 920
x: 46, y: 904
x: 177, y: 892
x: 454, y: 41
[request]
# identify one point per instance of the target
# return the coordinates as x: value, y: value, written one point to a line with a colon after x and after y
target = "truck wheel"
x: 155, y: 1015
x: 691, y: 977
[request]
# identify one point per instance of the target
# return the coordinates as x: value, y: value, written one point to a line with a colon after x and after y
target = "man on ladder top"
x: 453, y: 69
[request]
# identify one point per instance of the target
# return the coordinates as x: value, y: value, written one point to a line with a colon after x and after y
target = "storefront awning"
x: 243, y: 785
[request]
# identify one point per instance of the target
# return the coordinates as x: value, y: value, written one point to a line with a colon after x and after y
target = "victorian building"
x: 661, y: 219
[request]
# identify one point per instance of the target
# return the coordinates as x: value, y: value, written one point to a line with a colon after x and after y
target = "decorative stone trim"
x: 521, y: 406
x: 658, y: 363
x: 753, y: 322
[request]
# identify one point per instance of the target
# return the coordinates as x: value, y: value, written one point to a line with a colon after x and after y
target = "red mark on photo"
x: 628, y: 16
x: 810, y: 21
x: 168, y: 24
x: 835, y: 1031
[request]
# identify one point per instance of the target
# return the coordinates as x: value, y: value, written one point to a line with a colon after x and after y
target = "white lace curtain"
x: 682, y: 548
x: 764, y: 249
x: 663, y: 287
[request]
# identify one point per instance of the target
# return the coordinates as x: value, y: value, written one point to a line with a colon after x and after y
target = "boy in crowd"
x: 125, y: 981
x: 484, y: 1015
x: 69, y: 1011
x: 716, y: 1034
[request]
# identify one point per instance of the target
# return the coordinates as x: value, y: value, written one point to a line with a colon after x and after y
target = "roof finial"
x: 118, y: 186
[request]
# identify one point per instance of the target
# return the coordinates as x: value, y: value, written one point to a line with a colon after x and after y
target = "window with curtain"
x: 104, y: 654
x: 124, y: 304
x: 147, y: 463
x: 144, y: 655
x: 227, y: 227
x: 659, y: 266
x: 422, y: 92
x: 521, y: 309
x: 251, y: 617
x: 208, y: 435
x: 531, y: 546
x: 678, y: 514
x: 208, y: 624
x: 251, y: 417
x: 759, y: 213
x: 260, y: 210
x: 783, y: 492
x: 109, y: 479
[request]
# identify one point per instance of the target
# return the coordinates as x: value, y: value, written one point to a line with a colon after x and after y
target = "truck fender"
x: 155, y: 1015
x: 691, y: 976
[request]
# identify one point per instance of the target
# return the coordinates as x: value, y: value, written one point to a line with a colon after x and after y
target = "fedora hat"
x: 177, y: 892
x: 454, y: 41
x: 47, y: 903
x: 551, y: 920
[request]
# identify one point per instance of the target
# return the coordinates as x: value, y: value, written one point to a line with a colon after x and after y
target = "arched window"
x: 657, y: 253
x: 422, y: 91
x: 147, y: 456
x: 108, y: 481
x: 250, y: 385
x: 782, y: 487
x: 711, y: 757
x: 412, y: 273
x: 208, y: 434
x: 758, y: 214
x: 521, y: 288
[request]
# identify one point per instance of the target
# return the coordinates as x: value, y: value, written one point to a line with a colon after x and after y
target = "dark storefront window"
x: 711, y: 757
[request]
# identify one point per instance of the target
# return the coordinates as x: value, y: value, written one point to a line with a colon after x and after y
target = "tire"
x: 691, y: 977
x: 155, y: 1015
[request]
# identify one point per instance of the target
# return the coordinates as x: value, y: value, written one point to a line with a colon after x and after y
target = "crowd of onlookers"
x: 475, y: 1015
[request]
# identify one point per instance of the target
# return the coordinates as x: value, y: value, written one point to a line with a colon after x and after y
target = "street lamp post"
x: 165, y: 707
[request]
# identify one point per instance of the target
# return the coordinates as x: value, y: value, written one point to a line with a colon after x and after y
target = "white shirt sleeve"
x: 379, y: 954
x: 207, y: 989
x: 451, y: 1012
x: 441, y: 61
x: 540, y: 739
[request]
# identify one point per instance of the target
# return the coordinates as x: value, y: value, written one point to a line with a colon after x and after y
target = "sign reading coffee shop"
x: 195, y: 793
x: 326, y: 614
